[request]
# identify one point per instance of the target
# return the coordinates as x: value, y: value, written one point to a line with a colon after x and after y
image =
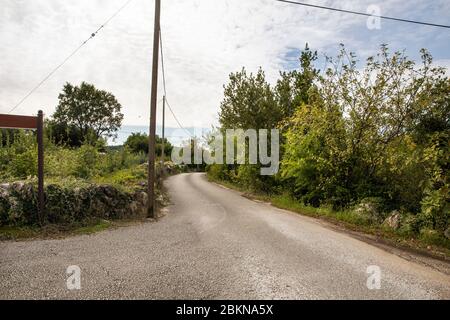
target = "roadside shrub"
x: 19, y: 159
x: 24, y: 164
x: 4, y: 206
x: 122, y: 158
x: 409, y: 225
x: 436, y: 210
x: 87, y: 157
x: 434, y: 237
x: 248, y: 177
x: 61, y: 162
x: 218, y: 172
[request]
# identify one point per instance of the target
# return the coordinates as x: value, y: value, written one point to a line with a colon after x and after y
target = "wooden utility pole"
x: 154, y: 97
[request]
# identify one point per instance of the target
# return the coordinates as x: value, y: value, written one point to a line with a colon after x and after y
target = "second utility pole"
x: 154, y: 97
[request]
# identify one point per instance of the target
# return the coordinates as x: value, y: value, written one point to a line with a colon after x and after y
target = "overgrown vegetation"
x: 86, y: 182
x: 371, y: 141
x: 18, y: 159
x: 81, y: 183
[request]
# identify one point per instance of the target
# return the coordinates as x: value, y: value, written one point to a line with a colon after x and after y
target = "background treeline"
x: 368, y: 137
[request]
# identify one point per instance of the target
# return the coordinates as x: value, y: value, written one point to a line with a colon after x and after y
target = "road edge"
x: 411, y: 254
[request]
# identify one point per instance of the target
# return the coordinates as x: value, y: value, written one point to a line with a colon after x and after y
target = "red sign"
x: 18, y: 122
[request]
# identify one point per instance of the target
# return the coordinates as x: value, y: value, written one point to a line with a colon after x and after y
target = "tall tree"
x: 249, y: 103
x: 295, y: 87
x: 90, y: 110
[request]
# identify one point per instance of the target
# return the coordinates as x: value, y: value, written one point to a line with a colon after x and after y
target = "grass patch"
x: 17, y: 233
x: 126, y: 179
x: 346, y: 217
x: 93, y: 228
x: 53, y: 231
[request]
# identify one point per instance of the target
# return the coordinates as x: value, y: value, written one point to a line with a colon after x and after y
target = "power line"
x: 162, y: 62
x: 364, y: 14
x: 164, y: 85
x: 176, y: 119
x: 69, y: 57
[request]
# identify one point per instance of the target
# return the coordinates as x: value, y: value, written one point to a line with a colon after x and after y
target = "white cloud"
x: 204, y: 40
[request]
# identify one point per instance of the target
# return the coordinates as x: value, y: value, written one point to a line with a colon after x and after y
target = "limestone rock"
x: 393, y: 220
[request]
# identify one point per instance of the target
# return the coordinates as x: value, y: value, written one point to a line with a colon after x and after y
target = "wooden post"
x: 154, y: 96
x: 40, y: 141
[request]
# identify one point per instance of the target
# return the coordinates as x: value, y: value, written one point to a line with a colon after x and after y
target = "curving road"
x: 214, y: 244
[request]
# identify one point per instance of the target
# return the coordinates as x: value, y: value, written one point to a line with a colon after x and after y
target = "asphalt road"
x: 214, y: 244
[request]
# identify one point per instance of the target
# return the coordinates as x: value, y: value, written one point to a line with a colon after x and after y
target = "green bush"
x: 87, y: 157
x: 122, y: 158
x: 218, y: 172
x: 60, y: 162
x: 19, y: 159
x: 24, y: 164
x: 434, y: 237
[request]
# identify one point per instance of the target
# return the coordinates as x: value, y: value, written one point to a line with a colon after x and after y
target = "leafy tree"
x: 63, y: 134
x: 249, y: 103
x: 94, y: 113
x: 295, y: 87
x: 138, y: 142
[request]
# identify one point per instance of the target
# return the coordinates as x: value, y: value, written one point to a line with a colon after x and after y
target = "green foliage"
x: 138, y: 143
x: 64, y: 134
x: 435, y: 211
x: 218, y: 172
x: 123, y: 158
x: 6, y: 137
x: 19, y: 159
x: 87, y: 161
x: 86, y: 112
x: 248, y: 177
x: 353, y: 142
x: 125, y: 177
x: 249, y: 103
x: 296, y: 87
x: 352, y: 134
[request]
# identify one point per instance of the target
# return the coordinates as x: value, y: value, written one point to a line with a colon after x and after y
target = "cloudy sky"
x: 204, y: 40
